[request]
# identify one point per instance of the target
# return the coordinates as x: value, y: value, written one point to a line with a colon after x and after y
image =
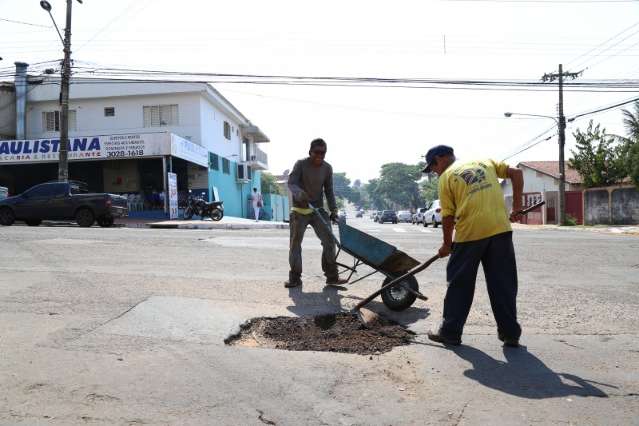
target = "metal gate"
x: 535, y: 217
x: 575, y: 205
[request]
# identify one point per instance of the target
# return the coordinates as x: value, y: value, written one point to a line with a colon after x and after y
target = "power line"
x: 24, y: 23
x: 596, y: 111
x: 602, y: 44
x: 532, y: 142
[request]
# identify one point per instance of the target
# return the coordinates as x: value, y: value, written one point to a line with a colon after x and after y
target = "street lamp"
x: 510, y: 114
x: 63, y: 162
x: 561, y: 123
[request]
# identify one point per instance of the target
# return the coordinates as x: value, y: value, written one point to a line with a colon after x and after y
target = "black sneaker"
x: 509, y: 341
x: 437, y: 337
x: 292, y: 283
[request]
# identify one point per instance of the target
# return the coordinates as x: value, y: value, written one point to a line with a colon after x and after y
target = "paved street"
x: 126, y: 326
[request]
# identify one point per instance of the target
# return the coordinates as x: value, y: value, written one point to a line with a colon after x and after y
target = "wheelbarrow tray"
x: 374, y: 252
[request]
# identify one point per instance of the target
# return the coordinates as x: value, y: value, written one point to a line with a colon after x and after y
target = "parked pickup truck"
x: 62, y: 201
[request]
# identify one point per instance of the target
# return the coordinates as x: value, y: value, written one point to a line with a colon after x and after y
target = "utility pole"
x: 63, y: 165
x: 562, y: 136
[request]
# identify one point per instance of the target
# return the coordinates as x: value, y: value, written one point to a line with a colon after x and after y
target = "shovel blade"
x: 368, y: 318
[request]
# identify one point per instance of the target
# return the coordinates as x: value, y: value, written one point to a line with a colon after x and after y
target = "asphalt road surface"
x: 126, y: 326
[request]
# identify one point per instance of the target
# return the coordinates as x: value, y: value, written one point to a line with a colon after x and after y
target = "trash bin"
x: 4, y: 192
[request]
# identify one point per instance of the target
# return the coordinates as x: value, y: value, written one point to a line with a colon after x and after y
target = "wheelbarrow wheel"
x: 397, y: 298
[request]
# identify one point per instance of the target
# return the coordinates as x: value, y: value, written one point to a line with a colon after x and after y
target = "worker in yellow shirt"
x: 472, y: 205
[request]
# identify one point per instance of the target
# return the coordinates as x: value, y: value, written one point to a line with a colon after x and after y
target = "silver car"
x: 404, y: 216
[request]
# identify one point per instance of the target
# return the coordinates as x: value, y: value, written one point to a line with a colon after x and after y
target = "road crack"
x: 263, y: 420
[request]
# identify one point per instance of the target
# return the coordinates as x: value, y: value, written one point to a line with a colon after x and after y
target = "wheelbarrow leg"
x: 395, y: 281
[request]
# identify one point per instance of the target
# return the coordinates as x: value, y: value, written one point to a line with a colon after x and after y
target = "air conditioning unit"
x: 243, y: 173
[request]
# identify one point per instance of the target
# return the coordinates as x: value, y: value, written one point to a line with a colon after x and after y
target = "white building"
x: 541, y: 182
x: 145, y: 129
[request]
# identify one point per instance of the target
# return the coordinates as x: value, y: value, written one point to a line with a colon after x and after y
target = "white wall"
x: 538, y: 182
x: 213, y: 139
x: 129, y: 116
x: 7, y: 113
x: 533, y: 182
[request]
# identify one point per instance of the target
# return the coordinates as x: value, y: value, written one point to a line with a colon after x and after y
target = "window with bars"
x: 227, y: 130
x: 109, y: 111
x: 51, y: 121
x: 214, y: 161
x: 160, y: 115
x: 226, y: 166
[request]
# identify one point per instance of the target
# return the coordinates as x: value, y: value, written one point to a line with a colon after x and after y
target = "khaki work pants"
x: 298, y: 224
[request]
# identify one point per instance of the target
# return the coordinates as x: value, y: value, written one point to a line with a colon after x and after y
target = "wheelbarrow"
x: 383, y: 258
x: 400, y: 288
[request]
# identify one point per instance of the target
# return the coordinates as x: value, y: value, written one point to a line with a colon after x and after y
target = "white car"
x: 404, y: 216
x: 433, y: 215
x: 418, y: 217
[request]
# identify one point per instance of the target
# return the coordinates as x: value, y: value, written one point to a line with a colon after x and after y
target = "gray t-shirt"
x: 315, y: 181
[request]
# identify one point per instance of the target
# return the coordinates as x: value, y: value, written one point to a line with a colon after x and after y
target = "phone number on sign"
x: 126, y: 153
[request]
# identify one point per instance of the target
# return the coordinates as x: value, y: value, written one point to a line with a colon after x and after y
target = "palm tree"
x: 630, y: 148
x: 631, y: 123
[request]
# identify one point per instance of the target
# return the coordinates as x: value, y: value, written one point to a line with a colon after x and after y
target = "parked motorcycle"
x: 198, y: 206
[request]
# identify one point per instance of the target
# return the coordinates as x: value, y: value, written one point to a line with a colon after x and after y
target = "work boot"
x: 446, y: 340
x: 336, y: 281
x: 290, y: 283
x: 509, y: 341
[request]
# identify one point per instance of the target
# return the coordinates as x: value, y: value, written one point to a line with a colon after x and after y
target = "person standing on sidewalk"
x: 473, y: 206
x: 257, y: 203
x: 311, y: 178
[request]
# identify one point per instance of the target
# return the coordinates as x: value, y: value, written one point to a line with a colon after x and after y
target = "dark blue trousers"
x: 497, y: 256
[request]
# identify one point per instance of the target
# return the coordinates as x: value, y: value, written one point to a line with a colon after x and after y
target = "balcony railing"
x: 258, y: 156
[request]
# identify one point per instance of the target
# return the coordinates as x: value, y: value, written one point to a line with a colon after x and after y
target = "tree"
x: 374, y: 198
x: 269, y: 184
x: 633, y: 163
x: 630, y: 150
x: 429, y: 189
x: 598, y: 158
x: 341, y: 186
x: 397, y: 184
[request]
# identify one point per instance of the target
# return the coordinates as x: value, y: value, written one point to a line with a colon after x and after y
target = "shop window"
x: 109, y: 111
x: 51, y: 121
x: 160, y: 115
x: 226, y: 166
x: 214, y: 161
x: 227, y: 130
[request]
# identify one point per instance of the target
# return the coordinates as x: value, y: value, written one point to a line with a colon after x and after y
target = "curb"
x: 233, y: 226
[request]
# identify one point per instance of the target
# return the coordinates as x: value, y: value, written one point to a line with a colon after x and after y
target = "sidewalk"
x: 607, y: 229
x: 227, y: 222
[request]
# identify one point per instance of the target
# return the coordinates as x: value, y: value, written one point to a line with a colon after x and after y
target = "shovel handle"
x: 397, y: 280
x: 531, y: 208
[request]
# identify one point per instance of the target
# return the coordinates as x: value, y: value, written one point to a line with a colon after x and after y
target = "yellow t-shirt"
x: 471, y: 193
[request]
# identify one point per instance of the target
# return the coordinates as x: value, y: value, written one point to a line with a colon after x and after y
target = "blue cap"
x: 439, y: 150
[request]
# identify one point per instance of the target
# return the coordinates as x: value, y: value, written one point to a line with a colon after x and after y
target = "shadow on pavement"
x: 524, y: 375
x: 329, y: 300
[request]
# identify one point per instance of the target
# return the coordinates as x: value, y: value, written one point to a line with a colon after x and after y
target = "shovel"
x: 370, y: 319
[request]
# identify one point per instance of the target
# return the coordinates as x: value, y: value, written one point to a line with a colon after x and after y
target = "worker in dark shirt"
x: 311, y: 178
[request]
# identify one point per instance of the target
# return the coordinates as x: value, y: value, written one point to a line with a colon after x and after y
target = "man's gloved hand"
x: 334, y: 216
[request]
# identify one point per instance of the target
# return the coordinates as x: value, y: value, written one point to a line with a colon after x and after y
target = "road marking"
x: 426, y: 231
x: 399, y: 230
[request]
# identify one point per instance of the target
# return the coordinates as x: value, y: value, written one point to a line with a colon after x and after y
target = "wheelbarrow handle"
x: 410, y: 273
x: 317, y: 211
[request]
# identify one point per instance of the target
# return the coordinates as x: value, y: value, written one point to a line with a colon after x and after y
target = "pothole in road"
x: 325, y: 333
